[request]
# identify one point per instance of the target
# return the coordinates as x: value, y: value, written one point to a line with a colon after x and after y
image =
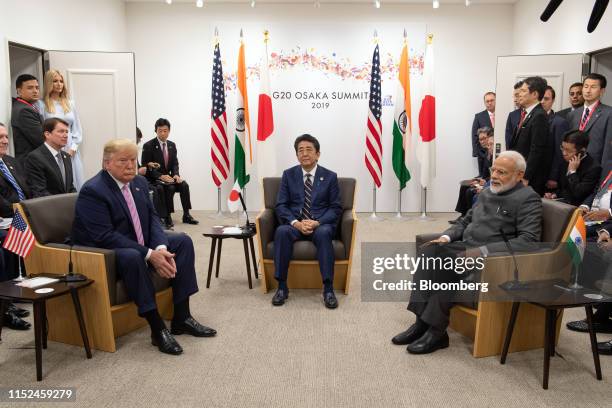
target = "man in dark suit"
x: 13, y: 189
x: 483, y: 119
x: 308, y: 207
x: 580, y: 173
x: 113, y: 211
x: 575, y: 99
x: 514, y: 117
x: 558, y: 128
x: 48, y: 167
x: 25, y: 118
x: 532, y: 137
x: 508, y: 206
x: 163, y: 152
x: 595, y: 118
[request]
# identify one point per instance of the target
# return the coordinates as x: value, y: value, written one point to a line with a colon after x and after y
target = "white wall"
x: 74, y: 25
x: 564, y: 33
x: 173, y: 47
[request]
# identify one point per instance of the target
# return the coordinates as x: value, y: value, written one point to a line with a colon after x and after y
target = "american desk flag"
x: 20, y: 239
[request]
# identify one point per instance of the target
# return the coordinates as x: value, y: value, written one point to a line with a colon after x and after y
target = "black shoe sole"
x: 153, y: 342
x: 178, y: 332
x: 440, y: 346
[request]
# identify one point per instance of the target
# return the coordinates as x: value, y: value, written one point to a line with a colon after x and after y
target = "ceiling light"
x: 436, y: 4
x: 200, y: 3
x: 253, y: 3
x: 168, y: 1
x: 377, y: 3
x: 467, y: 3
x: 317, y: 4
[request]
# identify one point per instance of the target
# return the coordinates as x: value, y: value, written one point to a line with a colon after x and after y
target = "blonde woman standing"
x: 55, y: 104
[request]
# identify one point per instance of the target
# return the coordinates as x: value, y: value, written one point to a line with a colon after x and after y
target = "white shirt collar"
x: 311, y: 172
x: 161, y: 142
x: 590, y: 107
x: 490, y: 113
x: 52, y: 150
x: 120, y: 184
x: 529, y: 109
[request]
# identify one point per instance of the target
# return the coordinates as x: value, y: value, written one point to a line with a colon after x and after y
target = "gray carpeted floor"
x: 303, y: 355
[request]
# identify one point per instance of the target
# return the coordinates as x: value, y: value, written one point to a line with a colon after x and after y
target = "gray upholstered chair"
x: 304, y: 268
x: 107, y: 309
x: 485, y: 321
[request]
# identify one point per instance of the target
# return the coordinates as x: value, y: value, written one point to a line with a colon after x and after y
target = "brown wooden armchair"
x: 485, y: 322
x: 107, y: 310
x: 304, y: 267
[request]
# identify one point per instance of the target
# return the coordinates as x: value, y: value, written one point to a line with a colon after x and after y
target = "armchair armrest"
x: 423, y: 238
x: 346, y: 230
x: 266, y: 224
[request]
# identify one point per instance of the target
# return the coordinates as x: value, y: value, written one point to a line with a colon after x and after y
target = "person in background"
x: 575, y: 99
x: 580, y: 174
x: 483, y: 119
x: 514, y: 117
x: 25, y: 118
x: 558, y: 127
x: 55, y: 103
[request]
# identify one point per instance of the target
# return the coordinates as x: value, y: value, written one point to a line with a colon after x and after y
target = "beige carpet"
x: 303, y: 355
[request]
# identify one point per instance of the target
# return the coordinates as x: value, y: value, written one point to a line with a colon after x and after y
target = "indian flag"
x: 402, y: 121
x: 243, y: 152
x: 576, y: 242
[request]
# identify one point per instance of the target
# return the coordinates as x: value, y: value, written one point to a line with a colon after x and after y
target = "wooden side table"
x: 552, y: 298
x: 217, y: 235
x: 9, y: 292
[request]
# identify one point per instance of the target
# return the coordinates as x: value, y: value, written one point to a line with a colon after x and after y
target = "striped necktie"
x: 307, y: 198
x: 129, y: 199
x: 11, y: 179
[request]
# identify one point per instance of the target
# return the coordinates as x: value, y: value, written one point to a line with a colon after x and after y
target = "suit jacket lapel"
x: 593, y: 119
x: 318, y: 178
x: 119, y: 196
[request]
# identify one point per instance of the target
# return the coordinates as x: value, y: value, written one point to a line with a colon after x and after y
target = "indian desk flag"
x: 576, y: 242
x: 243, y: 152
x: 402, y: 121
x: 426, y: 149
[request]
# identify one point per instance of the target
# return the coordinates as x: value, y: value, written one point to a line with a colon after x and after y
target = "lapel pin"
x: 320, y: 178
x: 137, y: 189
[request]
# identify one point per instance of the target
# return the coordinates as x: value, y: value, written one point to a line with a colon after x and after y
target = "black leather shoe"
x: 279, y: 297
x: 429, y: 342
x: 330, y: 300
x: 168, y: 222
x: 166, y: 343
x: 605, y: 348
x: 17, y: 311
x: 188, y: 219
x: 15, y: 322
x: 191, y: 326
x: 413, y: 333
x: 583, y: 327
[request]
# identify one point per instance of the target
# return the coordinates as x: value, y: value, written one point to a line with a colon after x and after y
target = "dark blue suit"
x: 102, y: 220
x: 558, y: 128
x: 325, y: 208
x: 512, y: 122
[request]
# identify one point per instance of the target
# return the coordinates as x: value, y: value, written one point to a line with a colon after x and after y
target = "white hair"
x: 516, y: 157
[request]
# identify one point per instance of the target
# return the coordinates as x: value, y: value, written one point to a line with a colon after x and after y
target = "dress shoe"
x: 330, y: 300
x: 456, y: 220
x: 15, y: 322
x: 280, y: 296
x: 168, y: 222
x: 17, y: 311
x: 191, y: 326
x: 413, y: 333
x: 429, y: 342
x: 583, y: 327
x: 605, y: 348
x: 166, y: 343
x: 188, y: 219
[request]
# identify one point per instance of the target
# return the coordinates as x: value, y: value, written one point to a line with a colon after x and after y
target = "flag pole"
x: 219, y: 213
x: 424, y: 216
x: 21, y: 276
x: 374, y: 217
x: 575, y: 285
x: 399, y: 216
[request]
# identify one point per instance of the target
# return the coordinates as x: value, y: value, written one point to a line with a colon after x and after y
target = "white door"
x: 559, y: 70
x: 103, y: 89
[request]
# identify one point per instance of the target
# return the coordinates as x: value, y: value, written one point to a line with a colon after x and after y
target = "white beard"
x: 501, y: 189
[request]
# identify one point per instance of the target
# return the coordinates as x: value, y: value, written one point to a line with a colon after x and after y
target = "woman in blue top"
x: 55, y: 103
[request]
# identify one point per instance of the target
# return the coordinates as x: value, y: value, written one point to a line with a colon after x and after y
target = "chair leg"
x: 38, y: 330
x: 253, y: 257
x: 3, y: 307
x: 248, y: 262
x: 45, y: 323
x: 211, y: 259
x: 553, y: 332
x: 593, y: 336
x: 509, y: 330
x: 79, y: 313
x: 546, y: 349
x: 218, y: 257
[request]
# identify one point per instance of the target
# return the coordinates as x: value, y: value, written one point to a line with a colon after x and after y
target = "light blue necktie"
x: 11, y: 180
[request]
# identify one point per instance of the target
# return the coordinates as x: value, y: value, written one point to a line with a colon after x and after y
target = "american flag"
x: 219, y: 146
x: 373, y: 154
x: 20, y: 239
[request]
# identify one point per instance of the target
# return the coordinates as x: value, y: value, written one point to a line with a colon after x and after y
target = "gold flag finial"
x: 241, y: 34
x: 266, y: 36
x: 216, y: 36
x: 429, y: 39
x: 375, y: 36
x: 405, y: 37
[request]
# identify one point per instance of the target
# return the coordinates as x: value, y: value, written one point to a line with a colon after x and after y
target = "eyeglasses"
x: 501, y: 172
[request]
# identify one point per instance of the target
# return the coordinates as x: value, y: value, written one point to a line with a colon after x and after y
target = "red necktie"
x: 523, y: 114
